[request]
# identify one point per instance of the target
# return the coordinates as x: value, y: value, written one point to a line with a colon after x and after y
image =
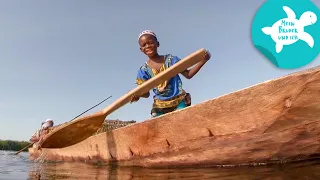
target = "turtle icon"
x: 289, y: 30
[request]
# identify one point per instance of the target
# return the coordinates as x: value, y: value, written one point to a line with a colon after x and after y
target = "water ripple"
x: 18, y: 167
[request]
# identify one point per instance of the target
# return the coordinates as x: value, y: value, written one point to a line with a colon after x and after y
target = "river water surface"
x: 19, y: 167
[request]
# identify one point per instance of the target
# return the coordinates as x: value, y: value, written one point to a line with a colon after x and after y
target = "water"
x: 16, y: 167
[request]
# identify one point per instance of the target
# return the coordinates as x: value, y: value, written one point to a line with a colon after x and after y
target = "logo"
x: 287, y: 32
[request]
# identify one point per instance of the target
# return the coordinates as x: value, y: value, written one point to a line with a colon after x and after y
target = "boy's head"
x: 148, y: 43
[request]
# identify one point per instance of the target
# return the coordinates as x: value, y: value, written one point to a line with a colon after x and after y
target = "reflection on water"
x: 18, y: 167
x: 306, y: 170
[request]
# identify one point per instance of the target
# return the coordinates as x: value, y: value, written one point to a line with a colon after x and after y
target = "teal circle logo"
x: 287, y: 32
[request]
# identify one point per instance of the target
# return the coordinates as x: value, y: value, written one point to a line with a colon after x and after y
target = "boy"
x: 169, y: 96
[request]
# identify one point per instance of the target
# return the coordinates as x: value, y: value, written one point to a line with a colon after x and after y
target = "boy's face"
x: 148, y: 45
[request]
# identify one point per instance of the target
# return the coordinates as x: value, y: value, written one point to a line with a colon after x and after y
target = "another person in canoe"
x: 169, y: 96
x: 42, y: 132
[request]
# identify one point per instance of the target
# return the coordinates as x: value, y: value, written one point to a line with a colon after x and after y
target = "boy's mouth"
x: 149, y: 51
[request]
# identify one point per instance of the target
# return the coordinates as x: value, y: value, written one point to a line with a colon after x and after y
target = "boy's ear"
x: 140, y: 49
x: 158, y: 44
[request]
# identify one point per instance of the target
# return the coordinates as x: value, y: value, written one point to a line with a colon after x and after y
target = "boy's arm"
x: 135, y: 98
x: 188, y: 74
x: 193, y: 71
x: 141, y: 78
x: 146, y: 95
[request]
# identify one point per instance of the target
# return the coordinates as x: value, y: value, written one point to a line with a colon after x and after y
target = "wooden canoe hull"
x: 278, y: 120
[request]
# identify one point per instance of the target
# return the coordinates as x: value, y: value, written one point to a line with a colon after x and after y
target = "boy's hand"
x: 207, y: 56
x: 134, y: 98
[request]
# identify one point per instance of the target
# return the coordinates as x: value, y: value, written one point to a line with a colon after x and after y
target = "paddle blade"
x: 74, y: 131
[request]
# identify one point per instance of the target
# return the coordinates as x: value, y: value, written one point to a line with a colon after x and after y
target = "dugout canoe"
x: 274, y: 121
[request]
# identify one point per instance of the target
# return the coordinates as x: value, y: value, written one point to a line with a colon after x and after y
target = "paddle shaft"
x: 24, y: 148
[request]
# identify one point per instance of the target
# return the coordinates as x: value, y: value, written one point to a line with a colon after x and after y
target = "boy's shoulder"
x: 172, y: 59
x: 143, y: 67
x: 171, y: 55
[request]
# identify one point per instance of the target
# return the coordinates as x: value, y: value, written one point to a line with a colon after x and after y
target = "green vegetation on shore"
x: 13, y: 145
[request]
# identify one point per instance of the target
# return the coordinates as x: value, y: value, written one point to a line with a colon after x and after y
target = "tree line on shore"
x: 11, y: 145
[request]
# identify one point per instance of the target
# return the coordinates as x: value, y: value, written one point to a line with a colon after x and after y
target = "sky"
x: 59, y: 58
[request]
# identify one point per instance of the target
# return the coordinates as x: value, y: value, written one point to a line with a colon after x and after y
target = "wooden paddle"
x: 78, y: 130
x: 23, y: 148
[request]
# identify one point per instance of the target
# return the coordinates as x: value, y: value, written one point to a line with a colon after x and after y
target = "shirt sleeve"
x: 175, y: 59
x: 142, y: 76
